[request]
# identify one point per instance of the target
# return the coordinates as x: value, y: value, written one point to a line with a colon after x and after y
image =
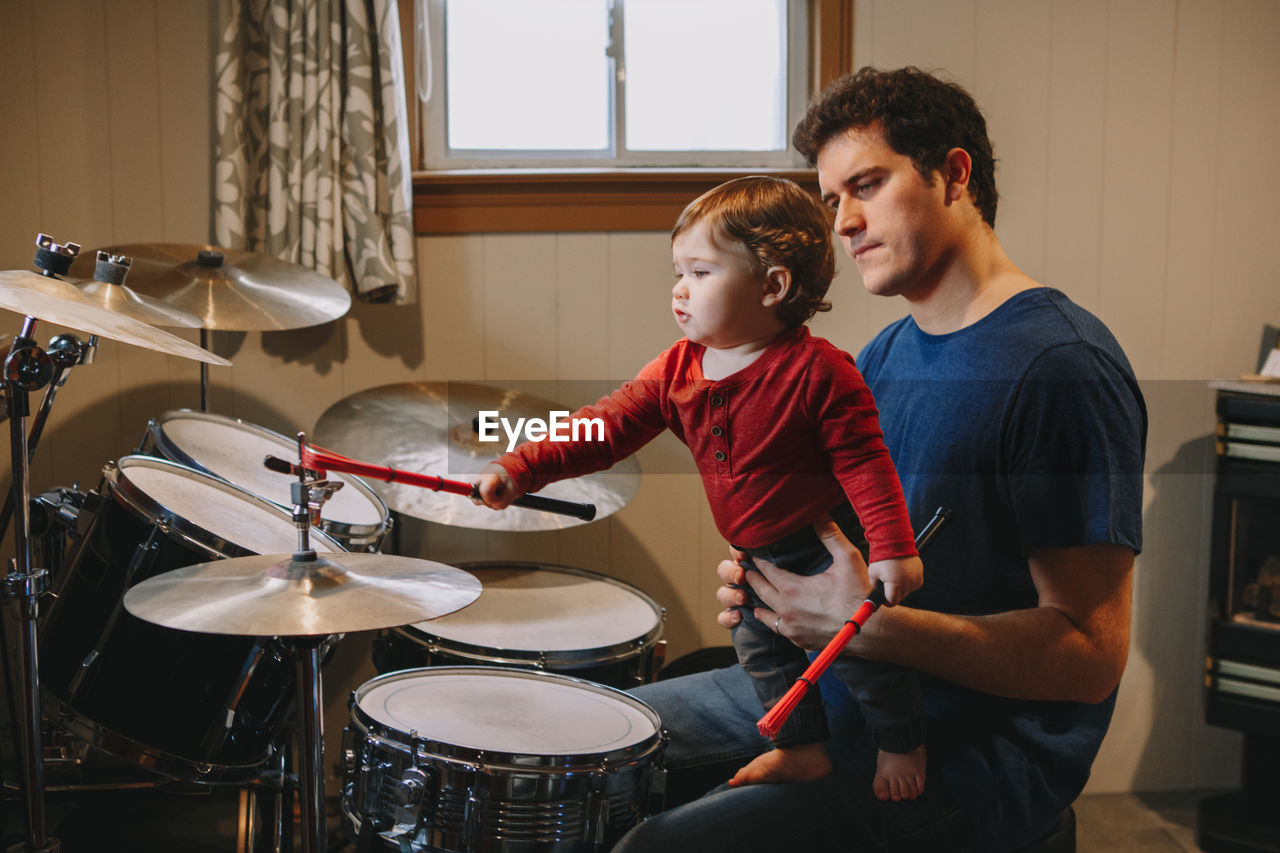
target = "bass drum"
x: 539, y: 616
x: 201, y: 707
x: 233, y: 450
x: 488, y: 759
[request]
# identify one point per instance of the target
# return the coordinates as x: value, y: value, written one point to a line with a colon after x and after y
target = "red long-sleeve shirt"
x: 777, y: 443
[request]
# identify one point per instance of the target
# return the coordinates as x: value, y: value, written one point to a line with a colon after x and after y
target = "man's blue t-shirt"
x: 1030, y: 426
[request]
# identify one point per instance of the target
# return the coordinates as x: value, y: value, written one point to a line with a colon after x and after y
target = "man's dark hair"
x: 920, y: 116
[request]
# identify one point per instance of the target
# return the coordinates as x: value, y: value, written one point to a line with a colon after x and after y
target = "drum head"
x: 233, y: 450
x: 509, y: 711
x: 205, y: 510
x: 535, y: 607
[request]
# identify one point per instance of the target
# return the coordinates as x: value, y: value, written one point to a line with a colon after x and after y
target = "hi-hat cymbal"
x: 122, y: 299
x: 274, y: 595
x: 229, y: 289
x: 53, y: 300
x: 427, y: 427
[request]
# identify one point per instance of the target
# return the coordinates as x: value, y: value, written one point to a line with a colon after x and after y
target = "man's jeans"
x: 710, y: 720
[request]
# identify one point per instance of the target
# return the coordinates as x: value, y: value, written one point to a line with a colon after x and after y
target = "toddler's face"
x: 718, y: 292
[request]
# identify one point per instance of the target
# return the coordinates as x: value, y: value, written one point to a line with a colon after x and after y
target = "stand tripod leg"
x: 310, y: 747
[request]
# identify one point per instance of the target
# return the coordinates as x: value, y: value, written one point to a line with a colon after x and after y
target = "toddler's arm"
x: 901, y: 576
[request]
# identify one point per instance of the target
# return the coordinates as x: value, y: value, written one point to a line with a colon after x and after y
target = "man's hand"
x: 806, y: 610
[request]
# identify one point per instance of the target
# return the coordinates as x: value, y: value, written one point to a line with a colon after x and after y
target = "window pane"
x: 524, y: 75
x: 706, y: 75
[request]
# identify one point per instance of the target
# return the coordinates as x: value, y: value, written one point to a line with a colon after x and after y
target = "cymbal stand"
x: 207, y: 343
x: 27, y: 369
x: 308, y: 497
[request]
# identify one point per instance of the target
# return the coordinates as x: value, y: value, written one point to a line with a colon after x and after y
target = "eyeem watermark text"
x: 558, y: 427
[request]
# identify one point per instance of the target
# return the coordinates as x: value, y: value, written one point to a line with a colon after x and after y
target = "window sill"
x: 528, y: 201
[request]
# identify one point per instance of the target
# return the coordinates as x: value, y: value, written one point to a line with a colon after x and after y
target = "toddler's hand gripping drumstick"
x: 771, y: 723
x: 320, y: 460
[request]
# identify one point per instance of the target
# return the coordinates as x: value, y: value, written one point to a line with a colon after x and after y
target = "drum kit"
x: 197, y: 590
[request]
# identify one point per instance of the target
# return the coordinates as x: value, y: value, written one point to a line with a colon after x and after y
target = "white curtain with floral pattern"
x: 312, y: 149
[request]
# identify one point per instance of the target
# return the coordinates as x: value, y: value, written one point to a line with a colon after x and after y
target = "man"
x: 1002, y: 400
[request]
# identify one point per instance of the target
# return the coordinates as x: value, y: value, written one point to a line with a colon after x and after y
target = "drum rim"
x: 346, y: 529
x: 524, y: 762
x: 560, y: 658
x: 148, y: 757
x: 132, y: 497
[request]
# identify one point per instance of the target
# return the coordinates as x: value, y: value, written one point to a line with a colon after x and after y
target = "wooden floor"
x: 1162, y: 822
x: 1105, y: 823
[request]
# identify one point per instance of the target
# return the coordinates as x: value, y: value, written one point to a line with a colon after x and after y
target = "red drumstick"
x: 771, y: 723
x: 319, y: 459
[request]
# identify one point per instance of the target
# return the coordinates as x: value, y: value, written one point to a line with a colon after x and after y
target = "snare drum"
x: 539, y: 616
x: 195, y: 706
x: 484, y: 759
x: 233, y: 450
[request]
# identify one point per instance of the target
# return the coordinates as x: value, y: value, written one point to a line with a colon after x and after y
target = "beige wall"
x: 1135, y: 141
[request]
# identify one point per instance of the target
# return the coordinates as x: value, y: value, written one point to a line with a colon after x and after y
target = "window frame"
x: 510, y: 201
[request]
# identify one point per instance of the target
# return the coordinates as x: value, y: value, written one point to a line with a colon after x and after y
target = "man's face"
x: 890, y: 220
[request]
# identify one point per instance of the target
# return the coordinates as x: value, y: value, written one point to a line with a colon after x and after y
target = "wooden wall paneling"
x: 1075, y: 165
x: 640, y: 320
x: 131, y: 121
x: 520, y: 319
x: 451, y: 302
x: 72, y: 126
x: 1246, y: 216
x: 21, y: 214
x: 582, y: 367
x: 1196, y: 135
x: 916, y: 32
x: 582, y: 313
x: 1136, y: 171
x: 184, y: 60
x: 381, y: 345
x: 1016, y: 35
x: 656, y: 547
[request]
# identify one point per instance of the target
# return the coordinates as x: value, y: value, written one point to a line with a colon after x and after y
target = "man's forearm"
x: 1024, y: 654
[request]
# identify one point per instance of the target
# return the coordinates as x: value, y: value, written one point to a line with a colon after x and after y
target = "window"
x: 571, y: 193
x: 631, y: 83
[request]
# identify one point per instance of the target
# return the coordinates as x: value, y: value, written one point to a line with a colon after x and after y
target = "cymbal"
x: 122, y: 299
x: 274, y: 595
x: 229, y: 289
x: 427, y: 427
x: 53, y: 300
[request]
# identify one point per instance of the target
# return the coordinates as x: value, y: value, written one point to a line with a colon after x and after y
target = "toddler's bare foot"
x: 899, y: 775
x: 785, y: 764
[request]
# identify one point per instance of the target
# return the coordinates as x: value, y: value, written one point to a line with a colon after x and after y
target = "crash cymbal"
x: 121, y: 299
x: 53, y: 300
x: 427, y: 427
x: 229, y: 289
x: 273, y: 595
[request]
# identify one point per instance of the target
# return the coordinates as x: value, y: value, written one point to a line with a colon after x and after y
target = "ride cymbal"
x: 274, y: 595
x: 429, y: 427
x: 55, y: 301
x: 229, y: 289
